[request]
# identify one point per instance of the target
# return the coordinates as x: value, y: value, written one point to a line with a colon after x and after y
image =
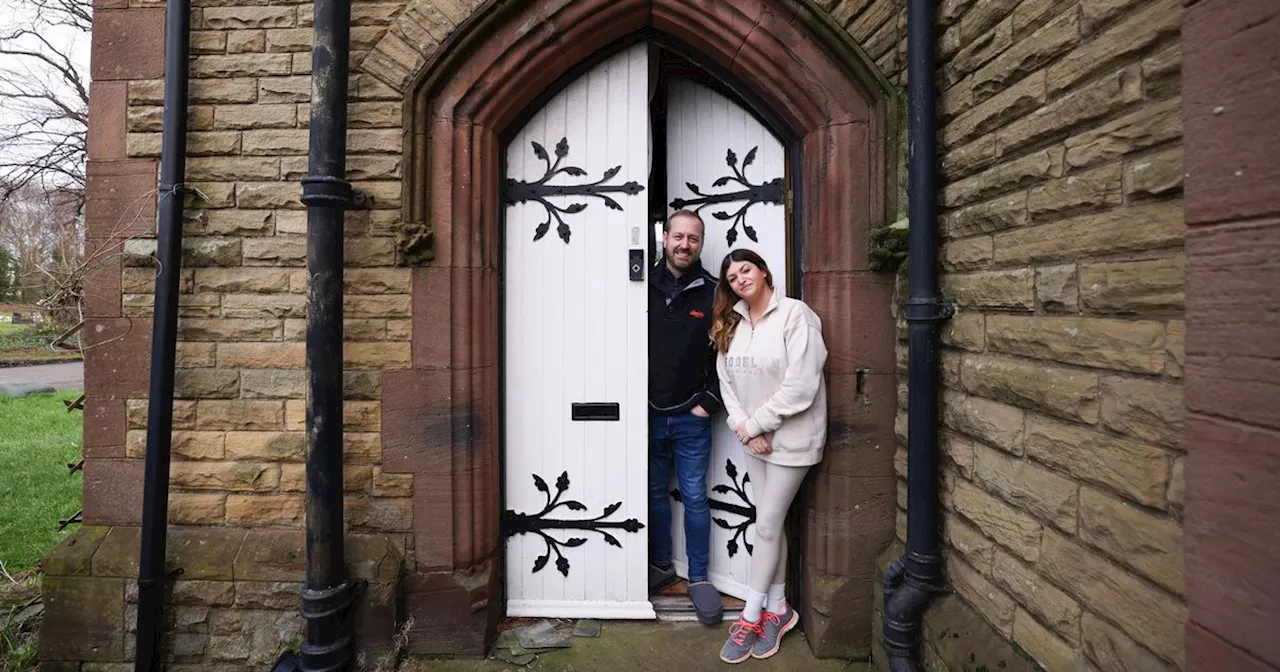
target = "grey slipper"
x: 661, y: 579
x: 706, y: 602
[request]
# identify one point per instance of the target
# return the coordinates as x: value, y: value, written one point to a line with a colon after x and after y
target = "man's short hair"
x: 666, y: 226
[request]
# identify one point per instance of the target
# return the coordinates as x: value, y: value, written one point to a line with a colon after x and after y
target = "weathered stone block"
x: 246, y: 42
x: 195, y: 355
x: 1150, y: 125
x: 204, y: 554
x: 1142, y: 30
x: 388, y: 355
x: 1096, y: 189
x: 228, y: 476
x: 383, y: 305
x: 1142, y: 287
x: 968, y: 254
x: 1013, y: 289
x: 362, y: 416
x: 276, y: 251
x: 73, y: 556
x: 240, y: 415
x: 255, y: 306
x: 966, y: 331
x: 206, y: 384
x: 1014, y: 529
x: 1146, y: 613
x: 275, y: 143
x: 1013, y: 102
x: 982, y: 49
x: 1091, y: 103
x: 1057, y: 289
x: 117, y: 555
x: 989, y: 600
x: 1043, y: 645
x: 238, y: 18
x: 1029, y: 54
x: 273, y: 383
x: 203, y: 593
x: 231, y: 169
x: 261, y: 355
x: 1114, y: 651
x: 1148, y: 543
x: 1162, y: 74
x: 272, y: 555
x: 377, y: 514
x: 290, y: 40
x: 989, y: 421
x: 976, y: 548
x: 1098, y: 342
x: 267, y: 510
x: 266, y: 446
x: 83, y: 619
x: 219, y: 329
x: 1159, y: 174
x: 371, y: 252
x: 392, y: 485
x: 189, y: 508
x: 1065, y: 393
x: 1149, y: 410
x: 1005, y: 212
x: 967, y: 159
x: 1133, y: 469
x: 1052, y: 606
x: 187, y: 444
x: 1119, y: 230
x: 1027, y: 170
x: 240, y: 65
x: 1028, y: 487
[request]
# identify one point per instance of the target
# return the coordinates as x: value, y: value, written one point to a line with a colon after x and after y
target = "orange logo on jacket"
x: 697, y: 313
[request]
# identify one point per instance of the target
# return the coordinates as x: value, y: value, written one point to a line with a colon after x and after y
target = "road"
x: 66, y: 376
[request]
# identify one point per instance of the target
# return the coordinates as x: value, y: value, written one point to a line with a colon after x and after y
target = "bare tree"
x: 44, y: 97
x: 45, y: 238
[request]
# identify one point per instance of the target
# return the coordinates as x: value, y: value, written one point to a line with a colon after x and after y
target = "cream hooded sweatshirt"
x: 772, y: 377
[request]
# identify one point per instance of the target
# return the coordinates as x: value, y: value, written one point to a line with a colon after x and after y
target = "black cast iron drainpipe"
x: 164, y: 334
x: 328, y: 593
x: 913, y: 579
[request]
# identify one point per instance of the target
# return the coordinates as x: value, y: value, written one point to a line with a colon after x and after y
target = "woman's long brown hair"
x: 724, y: 321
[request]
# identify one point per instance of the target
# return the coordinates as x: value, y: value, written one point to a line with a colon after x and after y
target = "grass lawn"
x: 38, y: 438
x: 26, y: 343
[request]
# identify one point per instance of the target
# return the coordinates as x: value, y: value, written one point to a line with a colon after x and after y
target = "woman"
x: 770, y: 360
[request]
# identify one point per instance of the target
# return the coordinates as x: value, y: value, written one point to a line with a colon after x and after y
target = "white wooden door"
x: 726, y: 165
x: 576, y: 344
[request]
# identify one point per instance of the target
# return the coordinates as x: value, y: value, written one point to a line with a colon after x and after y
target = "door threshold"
x: 673, y: 605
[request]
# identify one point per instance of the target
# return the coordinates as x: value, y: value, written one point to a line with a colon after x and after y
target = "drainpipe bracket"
x: 327, y: 190
x: 929, y: 309
x: 318, y: 603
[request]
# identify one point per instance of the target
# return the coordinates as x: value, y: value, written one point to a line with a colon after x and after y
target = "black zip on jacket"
x: 682, y: 360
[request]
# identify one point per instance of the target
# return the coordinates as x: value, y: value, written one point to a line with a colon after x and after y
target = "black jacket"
x: 682, y: 361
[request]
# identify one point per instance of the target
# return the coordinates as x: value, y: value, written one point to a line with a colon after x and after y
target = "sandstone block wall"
x: 1062, y: 413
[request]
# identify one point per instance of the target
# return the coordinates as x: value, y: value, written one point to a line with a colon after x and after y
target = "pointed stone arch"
x: 466, y: 77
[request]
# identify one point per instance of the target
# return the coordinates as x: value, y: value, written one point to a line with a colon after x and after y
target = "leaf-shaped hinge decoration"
x: 519, y: 191
x: 514, y: 523
x: 748, y: 195
x: 746, y: 510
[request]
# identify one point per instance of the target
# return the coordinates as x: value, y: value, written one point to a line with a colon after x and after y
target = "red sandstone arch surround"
x: 441, y: 417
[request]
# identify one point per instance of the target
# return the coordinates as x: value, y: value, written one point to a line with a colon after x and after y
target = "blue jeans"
x: 686, y: 440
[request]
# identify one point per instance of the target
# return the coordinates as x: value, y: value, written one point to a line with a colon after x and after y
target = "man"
x: 683, y: 394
